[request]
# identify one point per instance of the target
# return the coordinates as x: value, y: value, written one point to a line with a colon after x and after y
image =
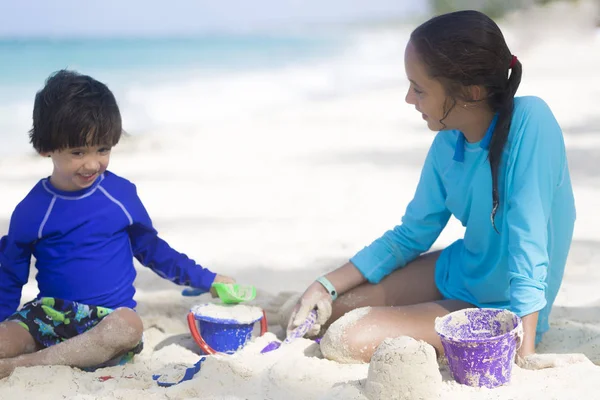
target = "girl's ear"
x: 476, y: 93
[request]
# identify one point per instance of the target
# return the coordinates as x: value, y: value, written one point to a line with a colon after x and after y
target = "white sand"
x: 241, y: 313
x: 276, y: 198
x: 405, y: 369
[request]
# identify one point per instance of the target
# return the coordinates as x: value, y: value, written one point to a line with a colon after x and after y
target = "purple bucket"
x: 480, y: 345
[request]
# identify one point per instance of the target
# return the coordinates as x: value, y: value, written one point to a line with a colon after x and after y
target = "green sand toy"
x: 232, y: 293
x: 229, y: 293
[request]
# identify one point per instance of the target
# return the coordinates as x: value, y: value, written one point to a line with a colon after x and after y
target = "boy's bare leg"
x: 114, y: 335
x: 15, y: 340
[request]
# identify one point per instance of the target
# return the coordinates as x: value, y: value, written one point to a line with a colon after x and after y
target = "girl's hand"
x: 315, y: 296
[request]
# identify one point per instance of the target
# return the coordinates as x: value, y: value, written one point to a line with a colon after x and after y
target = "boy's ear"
x: 45, y: 154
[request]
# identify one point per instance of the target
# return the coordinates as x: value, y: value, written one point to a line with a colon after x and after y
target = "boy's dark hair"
x: 466, y: 48
x: 74, y: 110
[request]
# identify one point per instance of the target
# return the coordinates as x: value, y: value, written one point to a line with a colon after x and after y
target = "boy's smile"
x: 78, y: 168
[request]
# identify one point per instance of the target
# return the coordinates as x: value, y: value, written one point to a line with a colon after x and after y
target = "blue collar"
x: 459, y: 151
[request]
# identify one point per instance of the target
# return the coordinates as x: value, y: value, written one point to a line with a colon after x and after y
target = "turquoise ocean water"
x: 127, y: 65
x: 178, y: 82
x: 28, y: 61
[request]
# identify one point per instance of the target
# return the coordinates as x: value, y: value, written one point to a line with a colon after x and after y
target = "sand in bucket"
x: 480, y: 345
x: 226, y: 328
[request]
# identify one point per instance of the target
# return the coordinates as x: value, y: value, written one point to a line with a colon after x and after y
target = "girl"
x: 498, y: 164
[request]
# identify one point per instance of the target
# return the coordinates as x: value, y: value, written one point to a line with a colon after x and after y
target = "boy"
x: 83, y: 225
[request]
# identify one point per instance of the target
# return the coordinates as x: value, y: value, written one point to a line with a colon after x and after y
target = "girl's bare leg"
x: 405, y: 303
x: 357, y: 341
x: 412, y: 284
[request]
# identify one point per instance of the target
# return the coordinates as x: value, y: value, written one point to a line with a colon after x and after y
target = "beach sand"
x: 276, y: 198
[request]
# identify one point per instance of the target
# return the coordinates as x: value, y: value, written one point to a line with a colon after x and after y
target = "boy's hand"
x: 220, y: 279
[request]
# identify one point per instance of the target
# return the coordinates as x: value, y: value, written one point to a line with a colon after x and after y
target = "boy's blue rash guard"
x: 84, y: 243
x: 521, y: 268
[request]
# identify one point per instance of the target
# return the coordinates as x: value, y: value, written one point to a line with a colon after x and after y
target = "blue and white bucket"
x: 220, y: 328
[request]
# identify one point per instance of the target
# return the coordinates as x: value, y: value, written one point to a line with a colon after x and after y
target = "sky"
x: 26, y: 18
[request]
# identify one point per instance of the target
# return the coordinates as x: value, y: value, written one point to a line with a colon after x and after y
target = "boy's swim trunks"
x: 51, y: 321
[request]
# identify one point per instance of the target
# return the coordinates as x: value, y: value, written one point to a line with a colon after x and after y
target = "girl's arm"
x: 539, y: 165
x: 424, y: 219
x: 345, y: 278
x: 529, y: 330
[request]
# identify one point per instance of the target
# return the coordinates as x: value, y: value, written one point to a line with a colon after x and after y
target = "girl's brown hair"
x: 467, y: 48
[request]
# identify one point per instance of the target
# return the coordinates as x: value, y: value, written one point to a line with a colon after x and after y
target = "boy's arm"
x: 15, y: 258
x: 155, y: 253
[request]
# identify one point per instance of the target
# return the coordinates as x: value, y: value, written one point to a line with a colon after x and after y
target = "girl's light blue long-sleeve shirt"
x: 521, y: 267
